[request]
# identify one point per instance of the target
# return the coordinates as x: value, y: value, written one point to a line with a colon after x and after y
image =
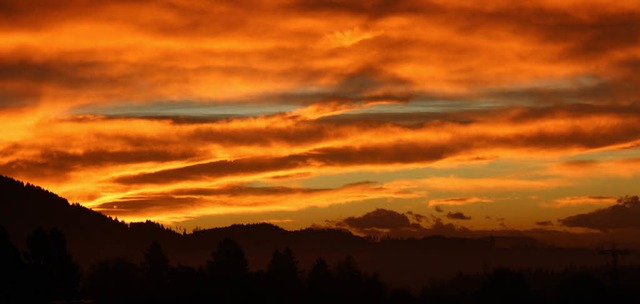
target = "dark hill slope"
x: 92, y: 237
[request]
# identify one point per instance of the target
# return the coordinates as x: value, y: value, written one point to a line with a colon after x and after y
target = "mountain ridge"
x: 93, y: 237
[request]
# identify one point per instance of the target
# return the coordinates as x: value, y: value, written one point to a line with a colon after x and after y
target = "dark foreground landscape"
x: 52, y: 251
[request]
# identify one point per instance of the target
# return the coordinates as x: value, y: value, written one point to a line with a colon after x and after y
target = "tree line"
x: 46, y: 272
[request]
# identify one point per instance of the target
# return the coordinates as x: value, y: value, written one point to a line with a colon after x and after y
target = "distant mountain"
x: 92, y: 237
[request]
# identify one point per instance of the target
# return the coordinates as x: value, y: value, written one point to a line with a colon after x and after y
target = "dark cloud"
x: 438, y: 209
x: 544, y: 223
x: 366, y: 84
x: 448, y: 229
x: 377, y: 8
x: 214, y: 170
x: 245, y: 190
x: 303, y: 132
x: 146, y: 203
x: 57, y: 164
x: 457, y: 216
x: 418, y: 218
x: 380, y: 219
x: 577, y: 136
x: 340, y: 156
x: 624, y: 214
x: 14, y: 67
x: 383, y: 222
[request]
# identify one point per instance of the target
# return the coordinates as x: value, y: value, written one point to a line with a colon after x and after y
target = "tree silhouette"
x: 283, y: 267
x: 284, y: 277
x: 155, y: 264
x: 350, y: 280
x: 11, y: 268
x: 228, y: 261
x: 155, y: 267
x: 228, y: 271
x: 53, y: 272
x: 320, y: 283
x: 347, y: 271
x: 114, y: 281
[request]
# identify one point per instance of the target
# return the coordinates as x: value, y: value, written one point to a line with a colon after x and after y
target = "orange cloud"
x: 625, y: 167
x: 104, y: 162
x: 457, y: 201
x: 580, y: 200
x: 114, y: 108
x: 348, y: 37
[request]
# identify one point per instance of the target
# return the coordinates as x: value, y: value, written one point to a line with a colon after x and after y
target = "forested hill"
x: 93, y: 237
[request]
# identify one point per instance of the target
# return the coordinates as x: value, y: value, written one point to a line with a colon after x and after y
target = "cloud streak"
x: 581, y: 200
x: 456, y: 201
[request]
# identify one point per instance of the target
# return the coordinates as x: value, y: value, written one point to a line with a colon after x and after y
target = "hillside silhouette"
x: 148, y: 252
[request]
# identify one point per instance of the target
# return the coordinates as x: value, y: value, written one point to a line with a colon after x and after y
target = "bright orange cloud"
x: 458, y: 201
x: 580, y: 200
x: 107, y: 105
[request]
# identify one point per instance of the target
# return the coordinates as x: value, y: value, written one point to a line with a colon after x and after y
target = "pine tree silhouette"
x: 155, y: 267
x: 321, y: 285
x: 284, y: 277
x: 228, y: 272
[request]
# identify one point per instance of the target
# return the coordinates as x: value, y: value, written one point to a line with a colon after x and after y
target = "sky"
x: 481, y: 115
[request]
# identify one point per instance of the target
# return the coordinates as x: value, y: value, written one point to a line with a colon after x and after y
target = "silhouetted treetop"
x: 155, y: 263
x: 228, y: 260
x: 283, y: 265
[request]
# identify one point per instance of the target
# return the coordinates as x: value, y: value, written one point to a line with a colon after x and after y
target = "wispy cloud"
x: 456, y: 201
x: 580, y: 200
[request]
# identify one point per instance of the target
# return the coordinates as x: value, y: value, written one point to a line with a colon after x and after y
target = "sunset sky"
x: 484, y: 114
